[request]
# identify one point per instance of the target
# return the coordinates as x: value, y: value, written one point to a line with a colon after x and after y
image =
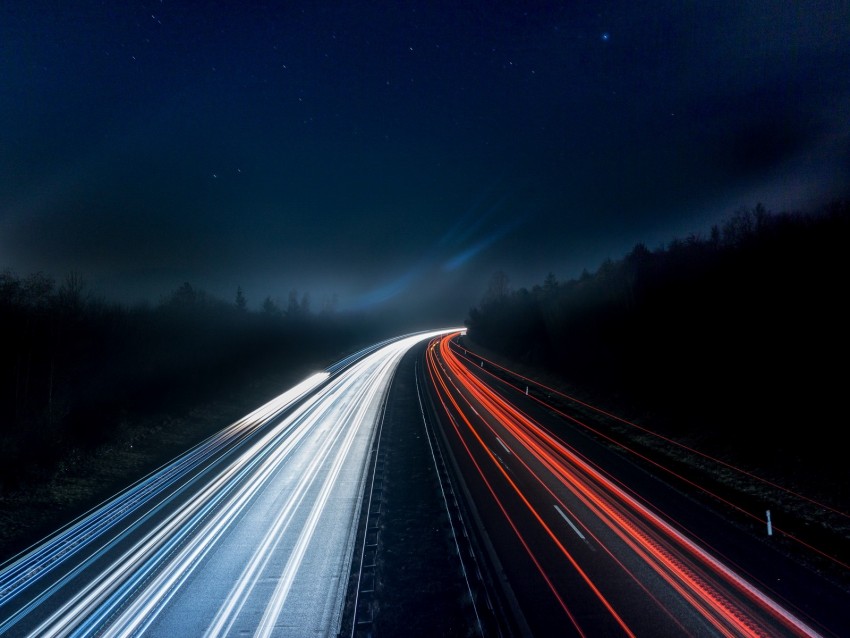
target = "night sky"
x: 397, y: 154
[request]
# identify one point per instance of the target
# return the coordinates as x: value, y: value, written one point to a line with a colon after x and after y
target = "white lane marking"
x: 570, y: 523
x: 503, y: 445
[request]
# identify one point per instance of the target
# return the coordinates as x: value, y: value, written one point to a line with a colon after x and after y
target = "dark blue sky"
x: 401, y: 152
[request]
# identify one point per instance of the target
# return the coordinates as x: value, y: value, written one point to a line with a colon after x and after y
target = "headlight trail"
x: 238, y: 535
x: 41, y: 560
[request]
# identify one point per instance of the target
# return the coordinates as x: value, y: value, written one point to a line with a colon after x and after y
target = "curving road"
x: 253, y: 531
x: 590, y: 545
x: 249, y: 533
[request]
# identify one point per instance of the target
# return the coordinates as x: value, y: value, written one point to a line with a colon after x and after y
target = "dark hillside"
x: 94, y: 395
x: 736, y: 342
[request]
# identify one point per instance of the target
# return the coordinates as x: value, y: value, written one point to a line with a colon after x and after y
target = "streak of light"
x: 44, y: 557
x: 431, y: 447
x: 443, y: 383
x: 724, y: 599
x: 645, y: 430
x: 753, y: 516
x: 129, y: 559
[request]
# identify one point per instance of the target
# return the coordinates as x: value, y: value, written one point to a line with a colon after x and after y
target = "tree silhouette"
x: 241, y: 302
x: 293, y: 308
x: 700, y: 329
x: 498, y: 288
x: 270, y: 307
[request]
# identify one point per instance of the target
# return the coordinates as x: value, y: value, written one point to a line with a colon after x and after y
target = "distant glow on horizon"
x: 334, y: 169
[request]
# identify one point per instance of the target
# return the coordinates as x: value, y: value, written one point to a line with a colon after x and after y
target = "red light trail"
x: 544, y: 472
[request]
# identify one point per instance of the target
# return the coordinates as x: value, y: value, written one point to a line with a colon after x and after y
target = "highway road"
x: 249, y: 533
x: 254, y: 530
x: 589, y: 544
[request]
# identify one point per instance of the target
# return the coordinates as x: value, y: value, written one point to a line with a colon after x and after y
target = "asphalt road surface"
x: 590, y: 544
x: 251, y: 532
x: 479, y: 511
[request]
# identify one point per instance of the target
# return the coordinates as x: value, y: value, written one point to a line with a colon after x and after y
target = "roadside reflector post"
x: 769, y: 526
x: 526, y: 390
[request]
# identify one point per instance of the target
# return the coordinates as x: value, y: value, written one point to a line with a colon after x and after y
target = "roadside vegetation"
x: 93, y: 395
x: 734, y: 343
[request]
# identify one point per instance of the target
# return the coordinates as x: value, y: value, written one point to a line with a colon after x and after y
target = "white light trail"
x: 42, y: 559
x: 253, y: 547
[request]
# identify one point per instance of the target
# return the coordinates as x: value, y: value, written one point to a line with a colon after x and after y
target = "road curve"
x: 580, y: 534
x: 249, y: 533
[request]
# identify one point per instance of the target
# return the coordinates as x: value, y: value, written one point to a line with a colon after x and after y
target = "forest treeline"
x: 73, y: 367
x: 738, y: 338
